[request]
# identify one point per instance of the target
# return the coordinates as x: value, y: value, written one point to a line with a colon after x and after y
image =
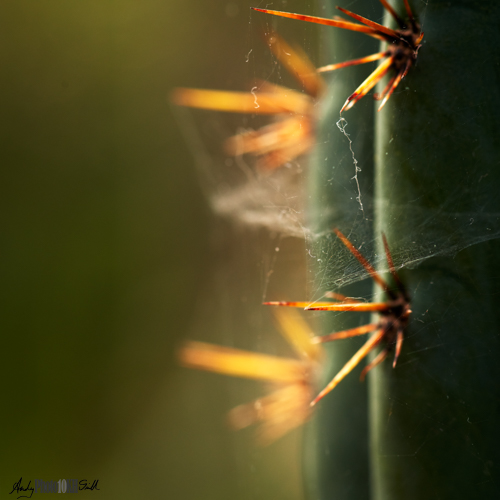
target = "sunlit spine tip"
x: 266, y: 11
x: 316, y: 399
x: 346, y: 104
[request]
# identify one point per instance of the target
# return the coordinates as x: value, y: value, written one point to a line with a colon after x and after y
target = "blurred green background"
x: 110, y: 255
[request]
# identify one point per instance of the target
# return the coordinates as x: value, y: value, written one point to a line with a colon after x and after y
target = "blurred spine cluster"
x: 291, y: 135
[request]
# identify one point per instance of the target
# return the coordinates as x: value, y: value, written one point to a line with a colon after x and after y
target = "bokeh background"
x: 110, y: 255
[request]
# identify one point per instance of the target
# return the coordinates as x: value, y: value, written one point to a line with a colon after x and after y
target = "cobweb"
x: 282, y: 202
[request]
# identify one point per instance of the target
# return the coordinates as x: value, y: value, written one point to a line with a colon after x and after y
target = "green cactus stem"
x: 435, y: 418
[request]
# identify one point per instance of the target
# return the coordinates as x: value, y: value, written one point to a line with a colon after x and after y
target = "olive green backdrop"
x: 110, y: 255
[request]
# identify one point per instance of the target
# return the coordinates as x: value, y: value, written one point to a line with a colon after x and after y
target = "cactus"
x: 422, y: 171
x: 435, y: 144
x: 433, y: 420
